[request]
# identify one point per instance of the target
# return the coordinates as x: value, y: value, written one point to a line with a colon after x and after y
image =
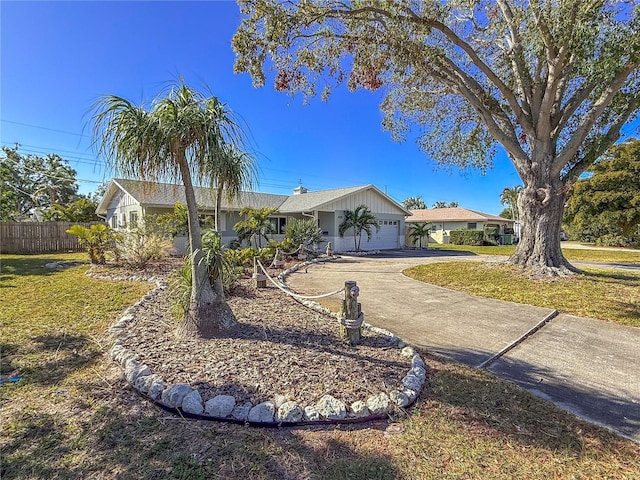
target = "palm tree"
x: 176, y: 137
x: 257, y: 225
x: 440, y: 205
x: 360, y: 220
x: 233, y: 171
x: 414, y: 203
x: 509, y: 197
x: 418, y: 231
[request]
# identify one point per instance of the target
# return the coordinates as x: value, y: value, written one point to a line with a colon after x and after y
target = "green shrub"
x: 612, y: 240
x: 97, y: 239
x: 303, y: 232
x: 467, y: 237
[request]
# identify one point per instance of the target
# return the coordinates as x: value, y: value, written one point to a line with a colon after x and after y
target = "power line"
x: 45, y: 128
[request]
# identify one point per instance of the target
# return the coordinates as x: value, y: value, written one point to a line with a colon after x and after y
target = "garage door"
x: 383, y: 239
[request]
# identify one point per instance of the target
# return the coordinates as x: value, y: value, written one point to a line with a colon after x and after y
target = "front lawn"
x: 607, y: 295
x: 72, y: 416
x: 579, y: 254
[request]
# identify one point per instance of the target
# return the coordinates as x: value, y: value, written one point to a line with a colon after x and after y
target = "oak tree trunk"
x: 208, y: 313
x: 541, y: 205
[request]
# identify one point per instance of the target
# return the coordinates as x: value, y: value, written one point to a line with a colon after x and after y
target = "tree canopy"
x: 608, y: 201
x: 552, y: 83
x: 414, y: 203
x: 33, y: 181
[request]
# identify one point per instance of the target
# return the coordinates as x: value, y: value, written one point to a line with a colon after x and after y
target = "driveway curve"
x: 585, y: 366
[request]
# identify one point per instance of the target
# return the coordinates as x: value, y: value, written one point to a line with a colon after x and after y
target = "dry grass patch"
x: 602, y: 294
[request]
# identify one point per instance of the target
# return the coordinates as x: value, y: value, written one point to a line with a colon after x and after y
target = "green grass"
x: 585, y: 255
x: 72, y: 416
x: 599, y: 294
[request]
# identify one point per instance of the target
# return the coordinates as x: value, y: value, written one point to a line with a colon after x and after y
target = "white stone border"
x: 279, y: 411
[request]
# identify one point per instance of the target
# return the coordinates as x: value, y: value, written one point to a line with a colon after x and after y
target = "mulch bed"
x: 279, y: 347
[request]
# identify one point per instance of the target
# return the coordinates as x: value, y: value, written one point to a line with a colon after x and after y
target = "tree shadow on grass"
x: 11, y: 268
x: 119, y: 441
x: 61, y: 356
x: 528, y: 416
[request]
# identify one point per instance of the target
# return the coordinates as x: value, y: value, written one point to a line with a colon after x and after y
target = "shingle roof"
x: 451, y: 215
x: 166, y: 195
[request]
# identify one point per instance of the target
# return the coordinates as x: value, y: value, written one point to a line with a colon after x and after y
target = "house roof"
x: 152, y: 194
x: 309, y: 201
x: 452, y: 215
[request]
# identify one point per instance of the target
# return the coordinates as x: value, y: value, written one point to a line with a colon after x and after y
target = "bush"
x: 97, y: 239
x: 467, y: 237
x: 303, y: 231
x: 612, y: 240
x: 144, y: 241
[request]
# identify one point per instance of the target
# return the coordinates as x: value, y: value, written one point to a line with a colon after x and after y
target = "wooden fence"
x: 38, y: 237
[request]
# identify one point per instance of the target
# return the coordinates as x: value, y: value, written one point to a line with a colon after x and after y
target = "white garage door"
x: 383, y: 239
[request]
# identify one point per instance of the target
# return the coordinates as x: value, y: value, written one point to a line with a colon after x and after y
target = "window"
x: 472, y: 226
x: 114, y: 221
x: 434, y: 229
x: 133, y: 218
x: 278, y: 224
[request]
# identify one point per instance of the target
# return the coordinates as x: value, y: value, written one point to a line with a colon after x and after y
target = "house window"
x: 278, y: 224
x: 472, y: 226
x: 434, y: 229
x: 114, y: 221
x: 133, y: 218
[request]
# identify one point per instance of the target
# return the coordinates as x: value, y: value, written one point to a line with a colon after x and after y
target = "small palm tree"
x: 256, y: 226
x: 360, y: 220
x: 509, y: 197
x: 417, y: 231
x: 179, y: 136
x: 233, y: 171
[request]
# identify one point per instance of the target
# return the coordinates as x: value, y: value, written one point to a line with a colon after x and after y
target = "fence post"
x: 260, y: 278
x: 351, y: 315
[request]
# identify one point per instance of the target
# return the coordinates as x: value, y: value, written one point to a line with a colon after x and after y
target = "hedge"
x: 467, y: 237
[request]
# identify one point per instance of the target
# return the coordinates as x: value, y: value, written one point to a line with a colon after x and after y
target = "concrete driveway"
x: 588, y: 367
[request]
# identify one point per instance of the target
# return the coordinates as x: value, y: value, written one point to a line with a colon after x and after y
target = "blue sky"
x: 58, y: 57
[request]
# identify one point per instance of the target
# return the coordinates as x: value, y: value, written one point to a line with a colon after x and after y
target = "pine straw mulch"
x: 279, y: 347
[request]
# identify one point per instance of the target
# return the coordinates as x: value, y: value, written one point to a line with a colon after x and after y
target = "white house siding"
x: 121, y: 205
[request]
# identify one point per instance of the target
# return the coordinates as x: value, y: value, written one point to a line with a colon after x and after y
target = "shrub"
x: 97, y: 239
x: 144, y: 241
x: 467, y: 237
x: 303, y: 232
x: 612, y: 240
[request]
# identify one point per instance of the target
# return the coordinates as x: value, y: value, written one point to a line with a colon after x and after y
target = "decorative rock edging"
x: 186, y: 401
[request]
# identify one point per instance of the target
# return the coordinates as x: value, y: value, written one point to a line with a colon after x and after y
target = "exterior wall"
x: 121, y: 206
x: 378, y: 204
x: 380, y: 240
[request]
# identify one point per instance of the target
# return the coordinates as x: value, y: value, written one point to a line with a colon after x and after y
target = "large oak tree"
x: 552, y: 82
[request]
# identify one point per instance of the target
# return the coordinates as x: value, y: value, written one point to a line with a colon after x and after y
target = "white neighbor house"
x: 126, y: 201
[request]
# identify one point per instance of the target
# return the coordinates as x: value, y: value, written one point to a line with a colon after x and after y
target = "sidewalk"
x: 588, y: 367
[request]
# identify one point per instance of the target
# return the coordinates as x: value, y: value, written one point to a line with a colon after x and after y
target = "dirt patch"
x: 278, y: 347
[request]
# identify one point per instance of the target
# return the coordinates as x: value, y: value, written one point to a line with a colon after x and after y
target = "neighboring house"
x: 126, y: 201
x: 444, y: 220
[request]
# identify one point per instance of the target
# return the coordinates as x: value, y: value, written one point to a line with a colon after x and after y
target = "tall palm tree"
x: 176, y: 137
x: 440, y: 204
x: 233, y: 171
x: 414, y: 203
x: 417, y: 231
x: 509, y: 197
x: 256, y: 226
x: 360, y: 220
